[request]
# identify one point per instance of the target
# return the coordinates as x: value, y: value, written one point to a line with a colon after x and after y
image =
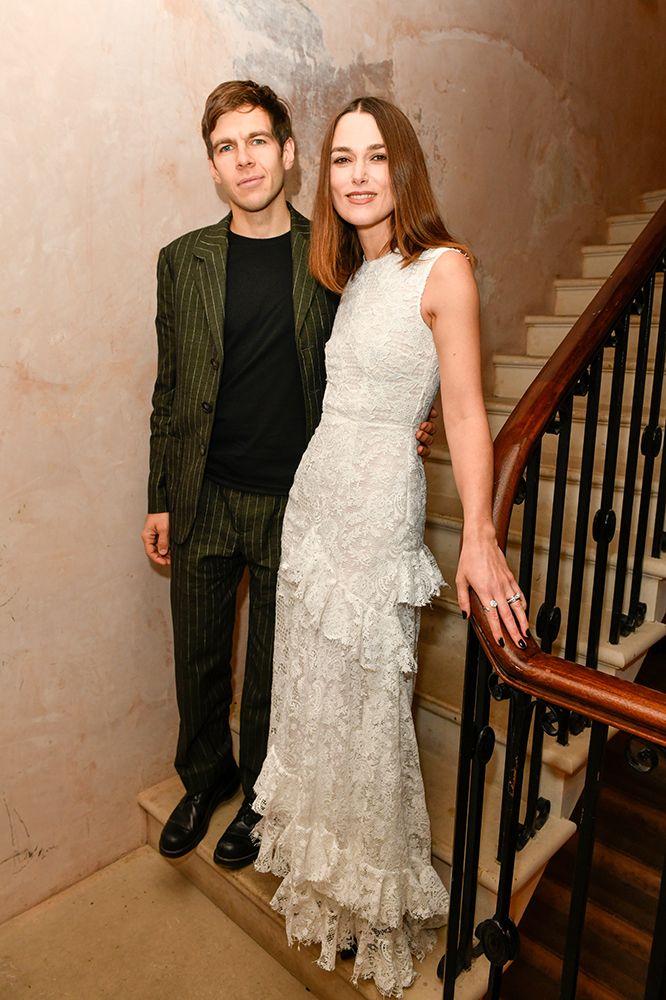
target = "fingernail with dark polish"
x: 522, y: 644
x: 501, y: 642
x: 464, y: 614
x: 528, y: 634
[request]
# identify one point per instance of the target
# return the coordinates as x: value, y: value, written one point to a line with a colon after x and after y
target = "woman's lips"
x: 361, y: 197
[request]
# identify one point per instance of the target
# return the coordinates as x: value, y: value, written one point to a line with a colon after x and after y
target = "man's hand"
x: 425, y: 434
x: 155, y: 538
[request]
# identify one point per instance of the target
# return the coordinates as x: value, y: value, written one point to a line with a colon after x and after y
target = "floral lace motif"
x: 341, y: 795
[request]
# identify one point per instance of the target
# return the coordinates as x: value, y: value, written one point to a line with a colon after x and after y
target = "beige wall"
x: 537, y: 118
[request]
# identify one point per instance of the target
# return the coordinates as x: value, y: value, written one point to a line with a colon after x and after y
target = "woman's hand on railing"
x: 483, y: 567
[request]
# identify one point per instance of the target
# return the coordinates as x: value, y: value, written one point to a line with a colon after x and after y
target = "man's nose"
x: 244, y: 154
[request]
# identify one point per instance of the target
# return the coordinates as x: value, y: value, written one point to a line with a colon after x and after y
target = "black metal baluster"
x: 659, y: 536
x: 462, y: 831
x: 532, y: 477
x: 581, y: 878
x: 583, y: 509
x: 535, y: 810
x: 549, y: 617
x: 636, y: 421
x: 655, y: 987
x: 483, y: 751
x: 499, y: 935
x: 651, y: 442
x: 603, y: 525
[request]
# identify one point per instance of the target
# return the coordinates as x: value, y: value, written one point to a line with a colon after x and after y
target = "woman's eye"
x: 379, y: 156
x: 341, y: 159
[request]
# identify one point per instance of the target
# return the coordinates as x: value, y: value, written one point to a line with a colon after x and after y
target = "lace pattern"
x: 344, y: 821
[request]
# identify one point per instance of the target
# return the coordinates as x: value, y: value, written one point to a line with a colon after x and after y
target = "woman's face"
x: 360, y: 182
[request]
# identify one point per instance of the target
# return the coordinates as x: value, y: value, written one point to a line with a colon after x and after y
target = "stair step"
x: 443, y: 539
x: 573, y: 295
x: 626, y: 228
x: 534, y: 955
x: 245, y: 895
x: 600, y: 261
x: 443, y: 497
x: 653, y: 200
x: 514, y: 373
x: 546, y: 333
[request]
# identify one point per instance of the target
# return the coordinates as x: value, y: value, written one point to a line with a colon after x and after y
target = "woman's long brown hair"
x: 335, y: 249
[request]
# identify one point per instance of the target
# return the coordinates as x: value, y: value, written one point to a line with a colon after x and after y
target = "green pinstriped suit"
x: 216, y: 532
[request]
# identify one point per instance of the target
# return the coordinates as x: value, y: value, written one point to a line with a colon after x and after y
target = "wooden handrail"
x: 598, y: 696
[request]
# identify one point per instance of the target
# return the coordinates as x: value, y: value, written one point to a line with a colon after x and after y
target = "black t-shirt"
x: 258, y: 435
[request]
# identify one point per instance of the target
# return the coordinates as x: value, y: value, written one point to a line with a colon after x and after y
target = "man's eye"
x: 258, y: 142
x: 224, y: 149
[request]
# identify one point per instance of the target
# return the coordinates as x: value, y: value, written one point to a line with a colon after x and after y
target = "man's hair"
x: 335, y: 250
x: 235, y: 94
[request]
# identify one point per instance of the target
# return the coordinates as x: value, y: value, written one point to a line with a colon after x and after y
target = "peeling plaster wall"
x: 537, y: 119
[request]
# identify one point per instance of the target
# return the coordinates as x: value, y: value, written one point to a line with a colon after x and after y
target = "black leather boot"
x: 187, y: 824
x: 235, y: 848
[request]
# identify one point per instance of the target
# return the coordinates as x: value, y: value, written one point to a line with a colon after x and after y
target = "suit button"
x: 215, y: 364
x: 207, y: 407
x: 202, y: 449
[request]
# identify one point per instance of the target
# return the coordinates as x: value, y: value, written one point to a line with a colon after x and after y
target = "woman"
x: 341, y: 795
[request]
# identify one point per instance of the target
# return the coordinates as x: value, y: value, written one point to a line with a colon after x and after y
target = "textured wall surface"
x: 536, y: 119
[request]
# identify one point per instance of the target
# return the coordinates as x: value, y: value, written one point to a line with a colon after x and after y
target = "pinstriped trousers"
x: 232, y: 530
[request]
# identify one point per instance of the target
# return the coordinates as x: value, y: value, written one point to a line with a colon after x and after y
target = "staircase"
x: 622, y: 901
x: 245, y: 895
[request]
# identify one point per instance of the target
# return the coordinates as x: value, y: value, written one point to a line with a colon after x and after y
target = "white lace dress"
x: 341, y: 794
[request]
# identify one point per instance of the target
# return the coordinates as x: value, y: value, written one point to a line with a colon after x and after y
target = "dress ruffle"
x: 330, y: 897
x: 372, y: 632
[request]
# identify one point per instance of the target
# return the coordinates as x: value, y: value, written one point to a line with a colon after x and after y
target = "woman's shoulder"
x: 432, y: 253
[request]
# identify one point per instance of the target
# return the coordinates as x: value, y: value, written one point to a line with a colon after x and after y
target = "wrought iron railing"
x: 607, y: 377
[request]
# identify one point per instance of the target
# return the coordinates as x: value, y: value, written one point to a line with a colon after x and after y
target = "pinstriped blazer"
x: 191, y: 280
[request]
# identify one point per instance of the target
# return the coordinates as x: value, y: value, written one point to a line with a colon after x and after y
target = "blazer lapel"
x: 303, y: 283
x: 211, y: 276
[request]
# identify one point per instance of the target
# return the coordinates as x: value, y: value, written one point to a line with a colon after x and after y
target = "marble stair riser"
x: 626, y: 228
x: 546, y: 333
x: 497, y: 415
x: 652, y: 200
x: 600, y: 261
x: 443, y: 498
x: 514, y: 373
x: 439, y: 735
x: 573, y: 295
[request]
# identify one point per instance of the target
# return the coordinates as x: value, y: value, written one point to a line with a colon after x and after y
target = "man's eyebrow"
x: 347, y: 149
x: 251, y: 135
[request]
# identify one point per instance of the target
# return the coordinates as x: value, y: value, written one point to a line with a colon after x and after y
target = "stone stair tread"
x: 245, y: 896
x: 611, y: 248
x: 440, y: 784
x: 631, y: 217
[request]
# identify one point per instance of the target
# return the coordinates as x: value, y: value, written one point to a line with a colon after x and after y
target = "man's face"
x: 247, y: 162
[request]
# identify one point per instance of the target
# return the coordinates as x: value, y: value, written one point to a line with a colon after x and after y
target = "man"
x: 241, y: 329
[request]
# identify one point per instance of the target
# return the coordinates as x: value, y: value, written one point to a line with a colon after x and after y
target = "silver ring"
x: 493, y: 604
x: 514, y: 597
